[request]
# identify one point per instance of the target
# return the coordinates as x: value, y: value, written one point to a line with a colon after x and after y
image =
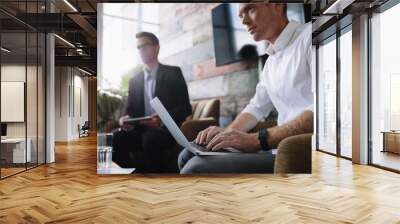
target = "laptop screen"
x: 169, y: 122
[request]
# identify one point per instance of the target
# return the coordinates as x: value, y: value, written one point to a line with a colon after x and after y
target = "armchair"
x: 294, y: 152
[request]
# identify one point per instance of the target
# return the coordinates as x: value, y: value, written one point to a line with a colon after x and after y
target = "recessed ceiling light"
x: 5, y: 50
x: 64, y: 40
x: 70, y: 5
x: 84, y: 71
x: 337, y: 7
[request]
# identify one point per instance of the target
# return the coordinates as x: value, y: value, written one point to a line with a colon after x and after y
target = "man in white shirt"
x: 285, y: 84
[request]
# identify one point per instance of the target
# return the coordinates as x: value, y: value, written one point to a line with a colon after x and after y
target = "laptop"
x: 136, y: 120
x: 179, y: 136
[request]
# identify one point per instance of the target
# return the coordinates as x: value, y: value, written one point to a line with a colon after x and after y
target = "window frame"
x: 334, y: 37
x: 378, y: 10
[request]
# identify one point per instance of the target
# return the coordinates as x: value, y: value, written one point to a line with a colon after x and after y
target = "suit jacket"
x: 170, y: 88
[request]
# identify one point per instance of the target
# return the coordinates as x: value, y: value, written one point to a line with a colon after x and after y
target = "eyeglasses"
x: 145, y: 46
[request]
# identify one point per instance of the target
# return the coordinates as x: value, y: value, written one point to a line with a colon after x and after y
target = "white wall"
x: 13, y: 73
x: 70, y: 83
x: 16, y: 73
x: 61, y: 103
x: 80, y: 94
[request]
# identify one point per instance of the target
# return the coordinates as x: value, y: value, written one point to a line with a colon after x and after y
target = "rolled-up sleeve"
x: 260, y: 105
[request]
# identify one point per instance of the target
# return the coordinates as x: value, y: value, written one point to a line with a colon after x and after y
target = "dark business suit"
x: 148, y: 146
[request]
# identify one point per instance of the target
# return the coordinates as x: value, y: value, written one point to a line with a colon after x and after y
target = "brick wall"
x: 186, y: 40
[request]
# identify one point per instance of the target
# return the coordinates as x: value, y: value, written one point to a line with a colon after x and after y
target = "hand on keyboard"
x: 202, y: 146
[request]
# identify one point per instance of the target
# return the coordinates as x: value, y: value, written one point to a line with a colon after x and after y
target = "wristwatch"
x: 263, y: 138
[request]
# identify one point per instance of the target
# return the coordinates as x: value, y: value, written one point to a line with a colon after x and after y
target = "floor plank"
x: 70, y: 191
x: 386, y: 159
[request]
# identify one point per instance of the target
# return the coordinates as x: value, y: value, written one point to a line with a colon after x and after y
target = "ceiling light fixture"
x: 70, y: 5
x: 64, y: 40
x: 337, y: 7
x: 84, y: 71
x: 5, y: 50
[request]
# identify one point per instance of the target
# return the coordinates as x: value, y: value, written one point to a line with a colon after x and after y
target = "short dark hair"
x: 149, y: 35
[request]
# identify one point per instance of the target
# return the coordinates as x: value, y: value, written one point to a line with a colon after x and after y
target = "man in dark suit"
x: 144, y: 145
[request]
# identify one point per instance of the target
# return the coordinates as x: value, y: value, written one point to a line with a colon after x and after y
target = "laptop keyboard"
x: 203, y: 148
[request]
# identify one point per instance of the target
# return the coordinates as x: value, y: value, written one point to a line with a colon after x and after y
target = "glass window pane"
x: 346, y: 94
x: 385, y: 114
x: 41, y: 98
x: 121, y: 10
x: 327, y: 97
x: 119, y: 58
x: 31, y: 98
x: 22, y: 91
x: 150, y: 28
x: 119, y: 55
x: 13, y: 82
x: 150, y: 13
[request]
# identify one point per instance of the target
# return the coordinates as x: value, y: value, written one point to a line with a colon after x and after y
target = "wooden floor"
x: 10, y: 171
x: 70, y: 191
x: 387, y: 159
x: 5, y: 172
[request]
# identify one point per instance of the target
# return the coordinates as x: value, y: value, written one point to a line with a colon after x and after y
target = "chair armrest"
x: 294, y: 155
x: 192, y: 127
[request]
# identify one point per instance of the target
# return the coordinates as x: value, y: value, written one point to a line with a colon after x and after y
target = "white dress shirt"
x: 149, y: 89
x: 286, y: 80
